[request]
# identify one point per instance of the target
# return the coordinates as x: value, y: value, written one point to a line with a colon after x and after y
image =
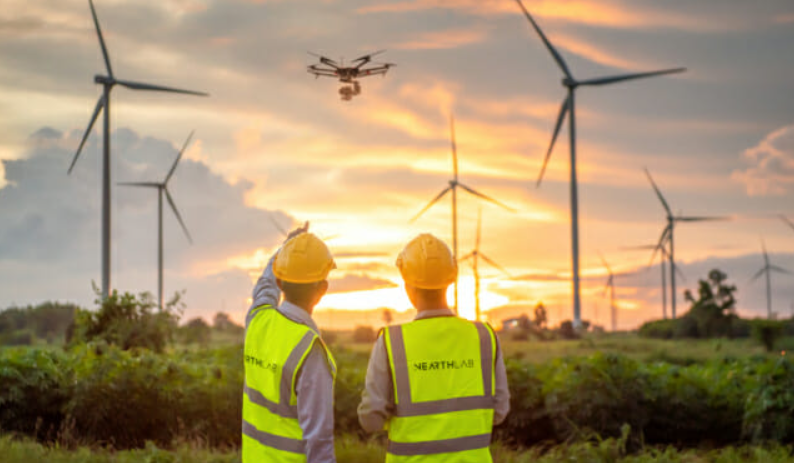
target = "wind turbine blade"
x: 157, y: 88
x: 176, y: 161
x: 758, y: 275
x: 277, y: 225
x: 779, y: 269
x: 454, y: 146
x: 495, y: 265
x: 466, y: 257
x: 560, y: 118
x: 604, y: 261
x: 621, y: 78
x: 660, y: 244
x: 178, y: 216
x: 101, y: 39
x: 659, y: 193
x: 552, y: 50
x: 649, y: 247
x: 99, y: 106
x: 787, y: 221
x: 680, y: 273
x: 141, y: 184
x: 487, y: 198
x: 429, y: 205
x: 701, y: 219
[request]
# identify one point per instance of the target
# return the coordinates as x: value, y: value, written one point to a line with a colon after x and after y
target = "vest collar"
x: 298, y: 315
x: 434, y: 313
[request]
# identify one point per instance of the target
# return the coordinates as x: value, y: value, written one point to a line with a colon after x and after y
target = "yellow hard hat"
x: 303, y: 259
x: 427, y: 263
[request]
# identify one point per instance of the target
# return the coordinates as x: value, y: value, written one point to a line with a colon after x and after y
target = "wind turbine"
x: 767, y: 269
x: 660, y: 248
x: 162, y: 189
x: 108, y: 82
x: 475, y: 256
x: 610, y: 287
x: 569, y: 108
x: 668, y: 236
x: 454, y: 184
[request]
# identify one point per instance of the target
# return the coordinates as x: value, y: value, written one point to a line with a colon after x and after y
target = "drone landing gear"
x: 349, y: 91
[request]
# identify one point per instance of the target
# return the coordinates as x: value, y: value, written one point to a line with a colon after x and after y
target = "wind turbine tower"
x: 569, y: 109
x: 108, y: 82
x: 668, y: 236
x: 767, y: 270
x: 162, y: 190
x: 475, y: 257
x: 454, y: 184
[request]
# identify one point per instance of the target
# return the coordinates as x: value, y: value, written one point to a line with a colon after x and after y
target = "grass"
x: 350, y: 450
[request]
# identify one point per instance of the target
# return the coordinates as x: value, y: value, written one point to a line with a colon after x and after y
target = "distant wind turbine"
x: 454, y: 184
x: 664, y: 254
x: 475, y: 256
x: 767, y: 269
x: 108, y: 82
x: 568, y: 108
x: 162, y: 189
x: 668, y: 236
x: 610, y: 288
x: 284, y: 232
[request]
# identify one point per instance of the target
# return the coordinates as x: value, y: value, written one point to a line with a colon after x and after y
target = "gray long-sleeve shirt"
x: 314, y: 386
x: 377, y: 401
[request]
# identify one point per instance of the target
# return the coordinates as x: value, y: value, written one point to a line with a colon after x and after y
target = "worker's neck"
x: 305, y: 306
x: 424, y: 306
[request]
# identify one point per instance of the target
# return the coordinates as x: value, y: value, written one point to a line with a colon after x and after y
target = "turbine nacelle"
x: 104, y: 80
x: 570, y: 82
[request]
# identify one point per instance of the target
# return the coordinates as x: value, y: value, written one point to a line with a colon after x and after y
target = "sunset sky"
x: 718, y: 139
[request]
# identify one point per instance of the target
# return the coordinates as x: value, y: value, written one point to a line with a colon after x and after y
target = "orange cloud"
x: 596, y: 13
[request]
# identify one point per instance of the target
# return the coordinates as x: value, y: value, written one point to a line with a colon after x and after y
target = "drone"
x: 348, y: 75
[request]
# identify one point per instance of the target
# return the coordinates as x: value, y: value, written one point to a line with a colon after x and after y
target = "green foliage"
x: 128, y: 321
x: 769, y: 414
x: 195, y: 331
x: 34, y: 391
x: 711, y: 314
x: 101, y: 394
x: 767, y: 332
x: 48, y: 321
x: 364, y: 334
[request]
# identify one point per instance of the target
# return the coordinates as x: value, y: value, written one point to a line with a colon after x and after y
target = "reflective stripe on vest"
x: 275, y: 349
x: 422, y: 441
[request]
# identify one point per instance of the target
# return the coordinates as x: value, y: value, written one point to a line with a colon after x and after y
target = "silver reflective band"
x: 460, y: 444
x: 288, y: 372
x: 486, y: 357
x: 283, y: 409
x: 400, y: 365
x: 457, y: 404
x: 271, y: 440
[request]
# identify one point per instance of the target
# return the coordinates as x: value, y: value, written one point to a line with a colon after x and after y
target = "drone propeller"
x: 367, y: 58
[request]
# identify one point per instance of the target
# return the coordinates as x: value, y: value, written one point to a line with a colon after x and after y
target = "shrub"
x: 769, y: 414
x: 195, y: 331
x: 362, y: 334
x: 767, y: 333
x: 128, y: 322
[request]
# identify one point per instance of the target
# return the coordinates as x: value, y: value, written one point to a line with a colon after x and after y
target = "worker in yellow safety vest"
x: 437, y: 384
x: 288, y: 408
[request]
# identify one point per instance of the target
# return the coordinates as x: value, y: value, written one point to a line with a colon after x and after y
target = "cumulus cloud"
x: 50, y: 232
x: 771, y: 170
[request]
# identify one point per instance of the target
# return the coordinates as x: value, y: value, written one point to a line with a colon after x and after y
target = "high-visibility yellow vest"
x: 443, y: 374
x: 275, y: 349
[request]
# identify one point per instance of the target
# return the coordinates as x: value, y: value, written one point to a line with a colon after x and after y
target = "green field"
x: 351, y: 450
x: 685, y: 400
